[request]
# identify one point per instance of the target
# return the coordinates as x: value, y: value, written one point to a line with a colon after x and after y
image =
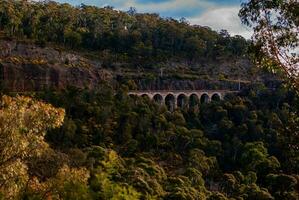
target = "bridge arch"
x: 216, y: 97
x: 204, y: 98
x: 170, y: 101
x: 182, y: 100
x: 193, y: 100
x: 158, y: 98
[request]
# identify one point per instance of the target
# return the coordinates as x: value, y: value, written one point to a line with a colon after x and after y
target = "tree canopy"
x: 128, y: 36
x: 276, y: 35
x: 102, y: 143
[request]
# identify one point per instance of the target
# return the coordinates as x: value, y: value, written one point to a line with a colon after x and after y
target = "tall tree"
x: 23, y: 125
x: 276, y: 34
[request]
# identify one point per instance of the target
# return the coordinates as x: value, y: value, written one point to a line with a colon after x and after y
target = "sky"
x: 217, y: 14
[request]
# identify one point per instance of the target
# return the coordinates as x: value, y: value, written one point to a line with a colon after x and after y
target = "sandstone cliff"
x: 27, y: 67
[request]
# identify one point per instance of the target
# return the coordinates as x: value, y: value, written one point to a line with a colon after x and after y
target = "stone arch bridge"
x: 182, y: 98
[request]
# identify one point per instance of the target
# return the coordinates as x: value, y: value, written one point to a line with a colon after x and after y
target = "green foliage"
x: 102, y: 176
x: 138, y: 39
x: 112, y: 146
x: 275, y: 39
x: 283, y: 186
x: 230, y: 146
x: 23, y: 125
x: 217, y: 196
x: 121, y: 147
x: 255, y: 157
x: 180, y: 187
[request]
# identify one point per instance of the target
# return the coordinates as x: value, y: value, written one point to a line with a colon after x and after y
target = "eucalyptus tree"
x: 276, y: 35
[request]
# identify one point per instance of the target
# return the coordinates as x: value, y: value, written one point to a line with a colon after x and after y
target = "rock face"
x: 26, y: 77
x: 25, y: 67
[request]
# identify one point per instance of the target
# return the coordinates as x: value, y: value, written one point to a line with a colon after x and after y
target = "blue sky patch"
x: 152, y: 1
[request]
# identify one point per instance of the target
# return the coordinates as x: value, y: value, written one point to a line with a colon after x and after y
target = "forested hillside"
x: 130, y: 36
x: 118, y: 147
x: 139, y: 46
x: 80, y: 136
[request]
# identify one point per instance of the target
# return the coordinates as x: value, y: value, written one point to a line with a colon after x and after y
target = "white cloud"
x: 156, y: 7
x: 223, y: 18
x: 167, y: 5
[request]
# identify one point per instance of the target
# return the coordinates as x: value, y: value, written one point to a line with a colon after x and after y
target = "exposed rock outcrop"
x: 26, y: 67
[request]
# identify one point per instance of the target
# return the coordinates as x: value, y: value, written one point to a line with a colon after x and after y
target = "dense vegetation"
x: 276, y: 35
x: 124, y: 36
x: 103, y: 144
x: 112, y: 146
